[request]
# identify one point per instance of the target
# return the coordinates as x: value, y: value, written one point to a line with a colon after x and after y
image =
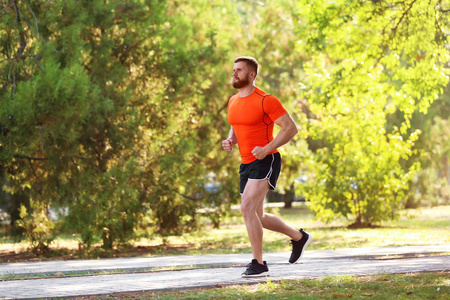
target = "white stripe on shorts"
x: 268, y: 174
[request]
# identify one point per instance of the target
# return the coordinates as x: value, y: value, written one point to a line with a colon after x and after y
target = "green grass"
x: 426, y: 226
x: 392, y: 286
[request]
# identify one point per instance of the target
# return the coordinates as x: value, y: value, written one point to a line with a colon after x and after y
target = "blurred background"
x: 112, y: 112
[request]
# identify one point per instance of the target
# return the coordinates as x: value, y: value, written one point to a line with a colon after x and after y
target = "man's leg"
x: 252, y: 207
x: 299, y: 238
x: 252, y: 199
x: 274, y: 223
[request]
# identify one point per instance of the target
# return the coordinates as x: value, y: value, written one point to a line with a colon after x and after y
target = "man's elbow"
x: 294, y: 131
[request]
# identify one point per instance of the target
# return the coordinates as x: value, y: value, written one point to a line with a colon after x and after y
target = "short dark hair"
x: 251, y: 61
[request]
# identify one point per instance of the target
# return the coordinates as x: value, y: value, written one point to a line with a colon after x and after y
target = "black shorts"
x: 267, y: 168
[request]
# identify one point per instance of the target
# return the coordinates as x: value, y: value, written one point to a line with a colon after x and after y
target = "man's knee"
x: 246, y: 207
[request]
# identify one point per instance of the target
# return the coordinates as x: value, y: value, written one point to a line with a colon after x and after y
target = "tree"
x: 106, y: 112
x: 369, y: 59
x: 66, y: 112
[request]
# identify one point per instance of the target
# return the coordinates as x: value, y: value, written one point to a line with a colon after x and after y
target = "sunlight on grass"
x: 6, y: 245
x: 391, y: 286
x: 425, y: 226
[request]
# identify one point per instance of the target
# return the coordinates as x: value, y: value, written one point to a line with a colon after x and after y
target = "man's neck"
x: 246, y: 90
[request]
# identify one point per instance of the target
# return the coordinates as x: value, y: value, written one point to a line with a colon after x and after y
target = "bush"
x: 37, y: 227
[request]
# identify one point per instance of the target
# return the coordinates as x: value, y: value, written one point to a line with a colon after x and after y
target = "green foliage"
x: 67, y: 122
x: 38, y: 228
x: 110, y: 113
x: 432, y: 185
x: 429, y: 189
x: 368, y: 60
x: 115, y: 110
x: 179, y: 142
x: 111, y: 210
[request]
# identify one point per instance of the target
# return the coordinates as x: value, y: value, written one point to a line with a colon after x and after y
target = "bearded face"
x: 241, y: 82
x: 242, y: 76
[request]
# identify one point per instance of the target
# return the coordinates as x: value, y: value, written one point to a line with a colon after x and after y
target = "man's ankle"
x: 298, y: 239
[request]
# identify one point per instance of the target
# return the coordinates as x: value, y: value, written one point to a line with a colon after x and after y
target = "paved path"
x: 181, y: 272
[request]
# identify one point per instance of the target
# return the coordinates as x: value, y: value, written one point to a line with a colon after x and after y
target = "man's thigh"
x: 254, y: 193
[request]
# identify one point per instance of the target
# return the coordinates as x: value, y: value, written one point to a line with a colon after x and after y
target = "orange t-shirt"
x: 252, y: 120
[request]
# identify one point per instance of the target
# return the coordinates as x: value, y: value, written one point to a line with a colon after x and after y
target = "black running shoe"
x: 255, y: 269
x: 298, y: 247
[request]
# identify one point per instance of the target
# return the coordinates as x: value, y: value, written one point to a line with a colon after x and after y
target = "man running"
x: 252, y: 114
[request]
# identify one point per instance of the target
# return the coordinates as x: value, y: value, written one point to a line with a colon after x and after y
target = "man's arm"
x: 287, y: 132
x: 228, y: 144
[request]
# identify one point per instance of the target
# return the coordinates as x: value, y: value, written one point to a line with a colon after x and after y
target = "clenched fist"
x: 259, y: 152
x: 227, y: 145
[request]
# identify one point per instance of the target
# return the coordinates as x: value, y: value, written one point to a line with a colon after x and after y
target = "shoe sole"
x: 304, y: 247
x: 265, y: 274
